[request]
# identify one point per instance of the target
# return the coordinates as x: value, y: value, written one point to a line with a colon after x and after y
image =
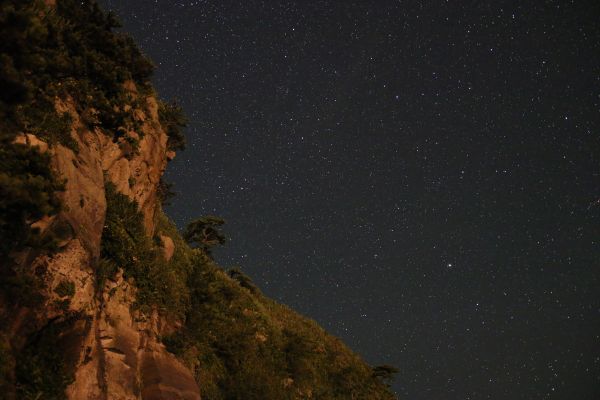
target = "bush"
x: 165, y: 192
x: 41, y: 369
x: 65, y: 288
x: 204, y: 232
x: 69, y: 50
x: 244, y: 280
x: 173, y: 120
x: 126, y: 245
x: 244, y: 346
x: 27, y: 193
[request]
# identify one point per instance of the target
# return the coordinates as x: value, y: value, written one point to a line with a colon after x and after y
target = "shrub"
x: 249, y: 347
x: 173, y: 120
x: 67, y: 50
x: 244, y: 280
x: 204, y: 232
x: 165, y: 192
x: 41, y: 369
x: 27, y: 193
x: 126, y: 245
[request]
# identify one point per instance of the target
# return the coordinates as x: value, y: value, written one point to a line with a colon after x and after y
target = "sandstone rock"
x: 32, y: 141
x: 114, y: 350
x: 131, y: 362
x: 165, y: 378
x: 43, y: 223
x: 168, y: 247
x: 60, y: 269
x: 83, y: 200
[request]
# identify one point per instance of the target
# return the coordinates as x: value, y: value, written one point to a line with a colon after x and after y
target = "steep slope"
x: 242, y: 345
x: 100, y: 297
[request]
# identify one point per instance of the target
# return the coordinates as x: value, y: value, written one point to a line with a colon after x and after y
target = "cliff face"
x: 112, y: 349
x: 100, y: 296
x: 78, y: 116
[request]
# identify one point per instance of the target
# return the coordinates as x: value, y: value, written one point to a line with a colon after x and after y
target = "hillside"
x: 100, y: 296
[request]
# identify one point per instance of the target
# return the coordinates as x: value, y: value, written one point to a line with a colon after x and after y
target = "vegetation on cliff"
x: 27, y: 193
x: 69, y: 51
x: 42, y: 372
x: 52, y: 55
x: 242, y: 345
x: 125, y: 245
x: 238, y: 343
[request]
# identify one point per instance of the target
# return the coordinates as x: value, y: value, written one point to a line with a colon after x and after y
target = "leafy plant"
x: 244, y: 280
x: 165, y: 192
x: 27, y: 193
x: 204, y: 232
x: 126, y: 245
x: 245, y: 346
x: 173, y: 120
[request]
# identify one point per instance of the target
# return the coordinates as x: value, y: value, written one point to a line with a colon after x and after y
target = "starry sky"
x: 422, y: 178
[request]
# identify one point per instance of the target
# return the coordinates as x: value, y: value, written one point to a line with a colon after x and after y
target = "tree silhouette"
x: 244, y: 280
x: 385, y: 373
x: 204, y: 232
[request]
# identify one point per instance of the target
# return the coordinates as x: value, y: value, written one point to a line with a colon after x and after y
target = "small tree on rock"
x: 204, y: 232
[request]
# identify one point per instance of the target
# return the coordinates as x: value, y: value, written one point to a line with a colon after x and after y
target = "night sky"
x: 421, y: 178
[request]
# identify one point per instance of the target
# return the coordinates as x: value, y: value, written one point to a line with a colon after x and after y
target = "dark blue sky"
x: 421, y: 178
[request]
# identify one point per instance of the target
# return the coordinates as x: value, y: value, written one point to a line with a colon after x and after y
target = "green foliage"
x: 130, y: 146
x: 40, y: 118
x: 41, y: 369
x: 126, y: 245
x: 204, y: 232
x: 63, y: 304
x: 65, y: 288
x: 242, y: 345
x: 124, y: 239
x: 27, y: 193
x: 49, y: 53
x: 165, y: 192
x: 105, y: 269
x: 244, y: 280
x: 173, y: 120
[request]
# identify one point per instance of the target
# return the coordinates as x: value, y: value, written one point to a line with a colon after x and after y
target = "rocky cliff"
x: 65, y: 331
x: 113, y: 349
x: 100, y: 296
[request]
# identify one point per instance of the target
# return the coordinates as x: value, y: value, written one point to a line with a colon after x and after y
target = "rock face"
x: 113, y: 350
x: 122, y: 357
x: 168, y: 246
